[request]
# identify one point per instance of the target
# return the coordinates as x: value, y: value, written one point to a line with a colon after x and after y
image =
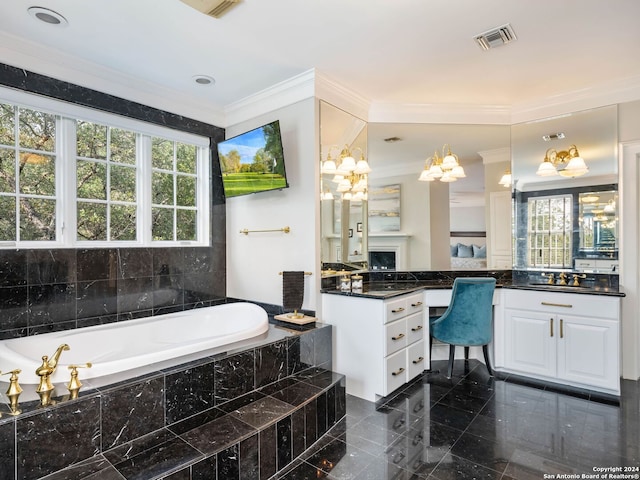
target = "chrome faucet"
x: 47, y: 369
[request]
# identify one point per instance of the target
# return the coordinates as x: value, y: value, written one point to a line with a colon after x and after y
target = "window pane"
x: 186, y: 158
x: 91, y: 140
x: 123, y: 146
x: 37, y: 219
x: 186, y: 191
x: 7, y: 219
x: 123, y: 184
x: 123, y: 222
x: 37, y: 174
x: 162, y: 188
x: 162, y: 153
x: 37, y: 130
x: 7, y: 170
x: 7, y: 122
x: 186, y: 228
x: 162, y: 223
x: 92, y: 221
x: 92, y: 180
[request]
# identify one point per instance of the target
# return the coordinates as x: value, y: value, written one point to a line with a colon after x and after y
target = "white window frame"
x: 66, y: 191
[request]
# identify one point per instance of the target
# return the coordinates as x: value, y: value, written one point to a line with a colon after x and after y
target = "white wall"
x: 254, y: 260
x: 467, y: 219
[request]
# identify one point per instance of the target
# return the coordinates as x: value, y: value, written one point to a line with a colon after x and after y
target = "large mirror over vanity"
x: 566, y: 218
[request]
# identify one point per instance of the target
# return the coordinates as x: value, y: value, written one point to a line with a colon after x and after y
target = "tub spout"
x: 47, y: 368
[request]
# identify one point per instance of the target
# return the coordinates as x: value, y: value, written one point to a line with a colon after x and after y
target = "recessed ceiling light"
x: 204, y: 80
x: 47, y: 15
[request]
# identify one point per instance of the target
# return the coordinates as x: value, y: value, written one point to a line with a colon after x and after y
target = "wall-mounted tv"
x: 253, y: 161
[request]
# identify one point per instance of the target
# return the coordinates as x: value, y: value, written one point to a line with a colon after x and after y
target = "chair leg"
x: 466, y: 353
x: 452, y: 354
x: 485, y: 351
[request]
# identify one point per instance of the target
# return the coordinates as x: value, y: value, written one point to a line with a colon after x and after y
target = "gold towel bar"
x: 246, y: 231
x: 306, y: 273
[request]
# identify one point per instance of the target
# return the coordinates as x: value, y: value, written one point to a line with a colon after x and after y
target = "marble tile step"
x: 259, y: 433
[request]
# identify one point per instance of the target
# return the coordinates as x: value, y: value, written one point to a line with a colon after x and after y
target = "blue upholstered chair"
x: 468, y: 319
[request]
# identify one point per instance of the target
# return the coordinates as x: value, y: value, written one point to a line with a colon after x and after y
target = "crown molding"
x: 497, y: 155
x: 53, y: 63
x: 439, y: 113
x: 339, y: 96
x: 287, y: 92
x: 610, y: 93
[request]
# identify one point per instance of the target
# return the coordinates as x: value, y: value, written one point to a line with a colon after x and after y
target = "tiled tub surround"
x: 252, y: 409
x: 52, y: 290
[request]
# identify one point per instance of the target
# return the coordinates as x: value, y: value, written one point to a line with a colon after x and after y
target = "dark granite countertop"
x: 391, y: 290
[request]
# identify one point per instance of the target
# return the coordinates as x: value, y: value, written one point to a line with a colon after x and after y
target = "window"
x: 27, y: 175
x: 106, y: 185
x: 102, y: 180
x: 550, y: 228
x: 173, y: 190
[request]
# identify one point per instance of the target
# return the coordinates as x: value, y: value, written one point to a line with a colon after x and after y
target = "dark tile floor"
x: 476, y: 426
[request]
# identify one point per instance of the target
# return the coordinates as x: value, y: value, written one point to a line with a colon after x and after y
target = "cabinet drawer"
x: 415, y: 360
x: 415, y: 303
x: 395, y: 334
x: 415, y: 328
x: 569, y: 303
x: 395, y: 309
x: 395, y: 371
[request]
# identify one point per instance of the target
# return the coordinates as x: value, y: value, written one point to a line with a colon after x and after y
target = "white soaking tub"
x: 122, y: 346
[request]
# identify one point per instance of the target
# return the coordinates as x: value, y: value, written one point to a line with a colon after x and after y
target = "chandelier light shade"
x: 445, y: 168
x: 567, y: 163
x: 351, y: 176
x: 505, y: 180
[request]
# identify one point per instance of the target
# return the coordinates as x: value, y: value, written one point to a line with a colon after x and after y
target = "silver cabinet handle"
x: 563, y: 305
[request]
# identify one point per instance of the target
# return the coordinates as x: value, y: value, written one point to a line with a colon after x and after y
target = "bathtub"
x: 118, y: 347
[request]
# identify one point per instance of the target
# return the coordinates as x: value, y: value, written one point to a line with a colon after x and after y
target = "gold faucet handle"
x: 14, y: 386
x: 576, y: 279
x: 551, y: 277
x: 74, y: 383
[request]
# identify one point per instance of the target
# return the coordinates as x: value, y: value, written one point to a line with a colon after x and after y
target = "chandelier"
x: 350, y: 175
x: 567, y: 163
x: 445, y: 168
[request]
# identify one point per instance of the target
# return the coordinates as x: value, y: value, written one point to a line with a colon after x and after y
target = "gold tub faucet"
x: 47, y: 368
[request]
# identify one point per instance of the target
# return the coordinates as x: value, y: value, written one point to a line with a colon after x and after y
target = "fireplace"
x: 382, y: 260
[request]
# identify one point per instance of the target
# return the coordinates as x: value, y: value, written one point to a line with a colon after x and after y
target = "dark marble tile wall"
x: 126, y: 422
x: 49, y: 290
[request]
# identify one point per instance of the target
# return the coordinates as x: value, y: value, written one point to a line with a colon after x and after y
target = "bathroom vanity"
x: 565, y: 336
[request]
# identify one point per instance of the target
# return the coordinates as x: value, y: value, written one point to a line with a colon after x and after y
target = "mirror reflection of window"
x: 598, y: 219
x: 550, y: 231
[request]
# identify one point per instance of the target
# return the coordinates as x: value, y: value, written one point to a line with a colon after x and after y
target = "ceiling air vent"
x: 213, y: 8
x: 496, y: 37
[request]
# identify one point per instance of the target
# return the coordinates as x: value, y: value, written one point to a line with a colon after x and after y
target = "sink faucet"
x: 47, y: 368
x: 563, y: 278
x: 551, y: 279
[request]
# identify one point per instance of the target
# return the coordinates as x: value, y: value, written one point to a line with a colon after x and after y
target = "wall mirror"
x: 560, y: 200
x: 435, y: 215
x: 343, y: 202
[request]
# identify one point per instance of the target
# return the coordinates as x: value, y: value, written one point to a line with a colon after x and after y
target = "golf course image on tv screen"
x: 253, y: 161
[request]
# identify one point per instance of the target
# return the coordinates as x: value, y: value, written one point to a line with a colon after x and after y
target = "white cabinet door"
x: 588, y: 350
x: 530, y: 342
